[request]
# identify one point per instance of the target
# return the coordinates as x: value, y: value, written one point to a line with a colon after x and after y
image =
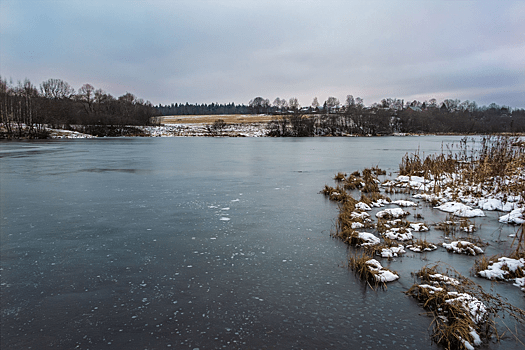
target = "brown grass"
x: 340, y: 176
x: 423, y: 244
x: 491, y: 162
x: 484, y: 262
x: 209, y: 119
x: 362, y: 270
x: 452, y: 322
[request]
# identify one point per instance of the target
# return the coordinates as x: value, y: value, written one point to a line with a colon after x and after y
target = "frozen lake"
x: 154, y: 243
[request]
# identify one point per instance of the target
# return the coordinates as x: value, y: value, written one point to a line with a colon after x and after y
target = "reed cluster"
x: 464, y: 314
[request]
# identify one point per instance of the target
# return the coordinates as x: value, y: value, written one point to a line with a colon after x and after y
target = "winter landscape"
x: 227, y: 174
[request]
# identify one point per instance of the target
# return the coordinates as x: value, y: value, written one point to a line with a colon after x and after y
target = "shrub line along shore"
x: 489, y: 175
x: 236, y: 125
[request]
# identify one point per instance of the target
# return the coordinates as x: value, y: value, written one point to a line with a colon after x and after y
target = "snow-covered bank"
x: 229, y: 130
x: 179, y: 130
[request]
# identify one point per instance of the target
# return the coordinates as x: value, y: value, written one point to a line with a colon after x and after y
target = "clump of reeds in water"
x: 340, y: 177
x: 499, y: 267
x: 349, y: 219
x: 337, y: 194
x: 371, y: 181
x: 466, y: 225
x: 421, y: 246
x: 353, y: 182
x: 464, y: 314
x: 448, y: 226
x: 374, y: 197
x: 378, y: 171
x: 371, y: 271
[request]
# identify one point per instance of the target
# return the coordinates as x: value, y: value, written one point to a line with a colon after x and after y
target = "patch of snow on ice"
x: 392, y: 251
x: 463, y: 247
x: 496, y: 270
x: 391, y: 213
x: 396, y: 233
x: 517, y: 216
x: 403, y: 203
x: 362, y: 206
x: 369, y: 239
x: 460, y: 209
x: 419, y: 226
x: 381, y: 274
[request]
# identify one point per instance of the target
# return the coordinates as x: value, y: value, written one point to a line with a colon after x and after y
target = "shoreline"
x: 200, y: 129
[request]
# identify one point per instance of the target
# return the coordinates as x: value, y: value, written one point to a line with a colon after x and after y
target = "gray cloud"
x: 232, y: 51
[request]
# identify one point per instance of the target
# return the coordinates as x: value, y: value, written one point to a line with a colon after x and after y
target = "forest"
x: 202, y: 109
x: 27, y: 111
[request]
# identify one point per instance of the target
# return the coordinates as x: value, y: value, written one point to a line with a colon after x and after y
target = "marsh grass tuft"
x: 421, y: 246
x: 340, y: 176
x: 369, y: 270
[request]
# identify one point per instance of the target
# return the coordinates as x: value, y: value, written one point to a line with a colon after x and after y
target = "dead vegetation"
x: 464, y: 314
x: 369, y: 270
x: 421, y: 246
x: 490, y: 163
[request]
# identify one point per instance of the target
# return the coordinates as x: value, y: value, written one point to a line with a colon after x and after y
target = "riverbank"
x: 260, y: 125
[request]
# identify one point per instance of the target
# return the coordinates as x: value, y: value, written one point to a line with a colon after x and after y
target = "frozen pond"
x: 154, y: 243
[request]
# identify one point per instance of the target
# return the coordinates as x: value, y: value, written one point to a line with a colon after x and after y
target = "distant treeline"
x: 387, y: 117
x: 26, y: 110
x: 202, y: 109
x: 383, y: 121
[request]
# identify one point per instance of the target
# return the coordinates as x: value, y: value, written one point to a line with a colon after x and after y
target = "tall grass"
x: 493, y: 160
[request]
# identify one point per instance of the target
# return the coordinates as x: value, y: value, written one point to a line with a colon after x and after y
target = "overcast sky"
x: 232, y: 51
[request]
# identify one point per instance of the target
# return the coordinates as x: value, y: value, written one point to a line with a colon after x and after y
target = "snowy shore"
x: 180, y: 130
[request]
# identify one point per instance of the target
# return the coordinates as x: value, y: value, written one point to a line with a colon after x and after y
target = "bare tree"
x: 350, y: 101
x: 86, y: 94
x: 331, y: 103
x: 56, y: 89
x: 359, y: 102
x: 315, y: 103
x: 294, y: 104
x: 259, y: 105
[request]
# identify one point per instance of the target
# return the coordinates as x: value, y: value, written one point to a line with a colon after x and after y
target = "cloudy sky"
x: 234, y: 50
